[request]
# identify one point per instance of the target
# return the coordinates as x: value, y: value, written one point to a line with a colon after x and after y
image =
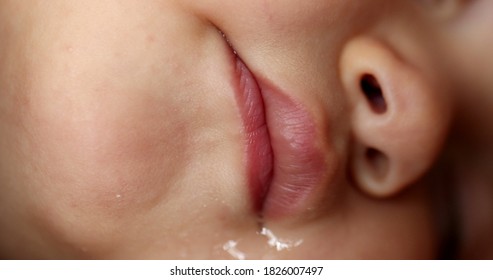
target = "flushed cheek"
x: 102, y: 157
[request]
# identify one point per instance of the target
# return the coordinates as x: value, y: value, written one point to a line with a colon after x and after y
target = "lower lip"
x: 284, y: 165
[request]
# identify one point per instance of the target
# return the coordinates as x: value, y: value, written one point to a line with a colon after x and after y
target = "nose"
x: 399, y: 119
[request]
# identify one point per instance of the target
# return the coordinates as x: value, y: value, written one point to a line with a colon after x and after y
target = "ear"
x: 399, y: 117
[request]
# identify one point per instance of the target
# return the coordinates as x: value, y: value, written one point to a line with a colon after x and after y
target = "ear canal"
x: 399, y: 117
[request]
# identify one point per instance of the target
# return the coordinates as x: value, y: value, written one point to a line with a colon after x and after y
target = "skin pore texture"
x: 123, y: 132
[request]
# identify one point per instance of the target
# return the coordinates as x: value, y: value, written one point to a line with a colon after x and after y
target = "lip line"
x: 258, y: 143
x: 258, y: 186
x: 284, y: 165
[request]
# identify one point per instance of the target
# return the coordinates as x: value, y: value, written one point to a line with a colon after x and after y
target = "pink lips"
x: 259, y: 148
x: 284, y: 165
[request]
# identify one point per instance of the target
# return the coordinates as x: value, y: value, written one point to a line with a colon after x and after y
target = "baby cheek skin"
x: 96, y: 137
x: 111, y: 153
x: 92, y: 164
x: 114, y: 133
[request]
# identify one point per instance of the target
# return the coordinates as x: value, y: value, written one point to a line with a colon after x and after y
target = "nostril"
x: 378, y: 161
x: 373, y: 92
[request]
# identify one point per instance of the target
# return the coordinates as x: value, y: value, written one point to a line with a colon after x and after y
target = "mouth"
x: 284, y: 165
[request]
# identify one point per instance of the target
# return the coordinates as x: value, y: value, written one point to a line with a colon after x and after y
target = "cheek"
x: 86, y: 165
x: 108, y: 154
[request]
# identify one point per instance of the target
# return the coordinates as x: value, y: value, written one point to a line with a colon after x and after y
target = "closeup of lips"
x: 284, y: 165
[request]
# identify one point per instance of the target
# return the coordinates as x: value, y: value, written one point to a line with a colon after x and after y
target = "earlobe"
x: 399, y: 117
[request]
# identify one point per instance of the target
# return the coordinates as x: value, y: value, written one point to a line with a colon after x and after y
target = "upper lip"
x: 285, y: 166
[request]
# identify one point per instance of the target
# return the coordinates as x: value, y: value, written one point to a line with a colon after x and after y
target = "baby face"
x: 217, y: 129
